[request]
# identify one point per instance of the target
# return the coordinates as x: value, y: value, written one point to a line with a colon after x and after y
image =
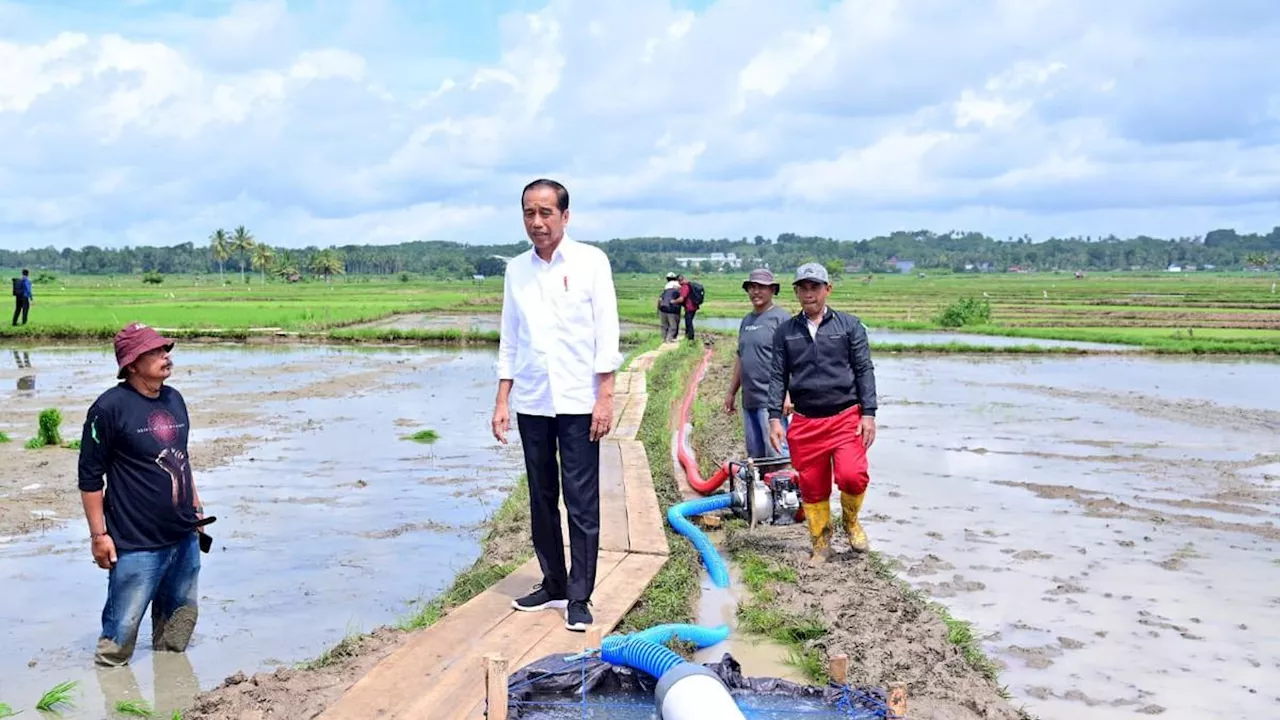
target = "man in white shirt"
x: 556, y: 361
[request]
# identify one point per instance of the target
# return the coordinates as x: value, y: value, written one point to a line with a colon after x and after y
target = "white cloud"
x: 350, y: 124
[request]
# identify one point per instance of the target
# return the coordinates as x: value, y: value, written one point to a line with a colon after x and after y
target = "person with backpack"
x: 22, y: 297
x: 669, y: 309
x: 692, y: 295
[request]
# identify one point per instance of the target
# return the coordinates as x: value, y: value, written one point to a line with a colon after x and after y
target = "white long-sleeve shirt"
x: 560, y: 329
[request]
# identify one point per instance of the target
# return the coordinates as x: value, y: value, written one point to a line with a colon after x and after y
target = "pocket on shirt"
x: 575, y: 306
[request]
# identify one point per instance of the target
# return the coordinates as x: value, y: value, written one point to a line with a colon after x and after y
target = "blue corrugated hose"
x: 641, y: 654
x: 678, y: 516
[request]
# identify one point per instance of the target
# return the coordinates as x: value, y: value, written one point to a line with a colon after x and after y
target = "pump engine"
x: 765, y: 490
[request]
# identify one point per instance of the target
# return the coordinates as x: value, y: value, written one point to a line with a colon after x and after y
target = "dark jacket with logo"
x: 826, y: 375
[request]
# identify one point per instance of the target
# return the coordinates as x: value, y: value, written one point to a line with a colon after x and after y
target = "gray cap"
x: 761, y: 276
x: 812, y: 271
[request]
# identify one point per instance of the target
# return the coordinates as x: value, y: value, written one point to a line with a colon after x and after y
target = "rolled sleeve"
x: 604, y: 306
x: 508, y: 331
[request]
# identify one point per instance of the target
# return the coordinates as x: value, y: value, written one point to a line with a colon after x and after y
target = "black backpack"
x: 668, y: 302
x: 697, y: 293
x: 17, y: 287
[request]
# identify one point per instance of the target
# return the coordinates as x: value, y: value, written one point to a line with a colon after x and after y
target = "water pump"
x: 765, y: 490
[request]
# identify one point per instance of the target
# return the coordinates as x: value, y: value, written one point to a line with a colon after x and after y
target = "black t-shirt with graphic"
x: 140, y: 445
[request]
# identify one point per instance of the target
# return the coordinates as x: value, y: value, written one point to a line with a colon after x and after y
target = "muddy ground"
x: 38, y: 487
x: 305, y: 692
x: 302, y: 454
x: 1108, y: 524
x: 889, y: 633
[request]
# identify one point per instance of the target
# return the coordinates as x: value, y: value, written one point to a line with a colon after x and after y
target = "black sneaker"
x: 578, y: 619
x: 539, y: 599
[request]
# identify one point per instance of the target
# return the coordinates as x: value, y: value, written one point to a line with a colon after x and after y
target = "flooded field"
x: 461, y: 321
x: 329, y: 522
x: 881, y: 336
x: 1108, y: 524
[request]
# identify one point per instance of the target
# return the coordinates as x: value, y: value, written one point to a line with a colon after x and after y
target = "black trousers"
x: 21, y: 306
x: 578, y: 471
x: 688, y: 323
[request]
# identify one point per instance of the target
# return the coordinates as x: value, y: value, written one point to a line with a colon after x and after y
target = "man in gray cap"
x: 822, y: 358
x: 754, y: 363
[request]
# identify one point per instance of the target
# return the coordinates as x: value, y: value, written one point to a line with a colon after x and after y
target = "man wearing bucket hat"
x: 754, y: 363
x: 822, y: 358
x: 143, y: 526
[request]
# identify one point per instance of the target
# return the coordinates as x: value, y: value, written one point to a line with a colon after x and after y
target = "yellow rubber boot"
x: 818, y: 516
x: 851, y: 505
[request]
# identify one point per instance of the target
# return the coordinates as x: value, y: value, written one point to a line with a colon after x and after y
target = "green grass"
x: 59, y: 696
x: 1158, y: 310
x: 424, y: 436
x: 670, y: 596
x: 4, y: 438
x: 760, y: 614
x: 135, y: 708
x: 6, y: 711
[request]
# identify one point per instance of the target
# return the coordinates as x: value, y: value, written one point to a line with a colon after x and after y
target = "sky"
x: 328, y: 122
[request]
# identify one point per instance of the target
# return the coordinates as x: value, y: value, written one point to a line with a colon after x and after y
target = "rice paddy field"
x: 1163, y: 312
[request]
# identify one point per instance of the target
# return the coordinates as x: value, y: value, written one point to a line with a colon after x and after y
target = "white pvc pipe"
x: 692, y: 692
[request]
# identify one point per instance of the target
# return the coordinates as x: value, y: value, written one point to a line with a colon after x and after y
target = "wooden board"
x: 610, y: 603
x: 628, y: 425
x: 614, y: 529
x: 400, y: 677
x: 456, y: 690
x: 643, y: 512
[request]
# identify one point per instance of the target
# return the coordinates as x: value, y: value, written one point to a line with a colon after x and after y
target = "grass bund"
x: 672, y: 594
x: 1168, y: 313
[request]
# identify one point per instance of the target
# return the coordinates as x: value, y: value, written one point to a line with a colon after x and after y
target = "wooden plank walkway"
x: 439, y: 673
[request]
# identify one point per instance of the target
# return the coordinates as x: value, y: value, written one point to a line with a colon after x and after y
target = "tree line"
x: 238, y: 251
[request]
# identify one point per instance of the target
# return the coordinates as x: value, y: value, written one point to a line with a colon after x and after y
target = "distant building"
x: 719, y: 260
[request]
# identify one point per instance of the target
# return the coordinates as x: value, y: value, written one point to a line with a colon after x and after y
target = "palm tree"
x: 242, y: 243
x: 326, y: 263
x: 262, y: 257
x: 220, y: 245
x: 286, y: 265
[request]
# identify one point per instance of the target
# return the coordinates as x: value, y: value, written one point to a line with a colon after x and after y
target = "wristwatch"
x: 95, y: 536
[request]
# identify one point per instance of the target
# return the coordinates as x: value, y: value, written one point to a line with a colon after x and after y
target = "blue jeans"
x: 166, y: 580
x: 755, y: 427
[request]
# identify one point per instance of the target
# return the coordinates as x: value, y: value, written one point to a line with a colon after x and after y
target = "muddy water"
x: 459, y: 321
x: 881, y: 336
x: 328, y: 521
x: 759, y: 657
x: 1111, y: 526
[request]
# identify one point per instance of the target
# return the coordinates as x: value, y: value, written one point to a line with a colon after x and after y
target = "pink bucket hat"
x: 134, y: 341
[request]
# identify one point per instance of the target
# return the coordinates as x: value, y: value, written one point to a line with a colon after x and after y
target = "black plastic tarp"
x: 555, y: 680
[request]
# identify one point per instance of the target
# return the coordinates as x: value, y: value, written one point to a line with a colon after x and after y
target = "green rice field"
x: 1192, y: 312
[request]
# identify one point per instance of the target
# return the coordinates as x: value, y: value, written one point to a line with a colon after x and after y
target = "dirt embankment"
x: 307, y: 690
x: 889, y: 633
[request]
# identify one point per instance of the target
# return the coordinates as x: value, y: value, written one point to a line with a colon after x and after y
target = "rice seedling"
x: 135, y: 708
x: 424, y: 436
x: 57, y: 696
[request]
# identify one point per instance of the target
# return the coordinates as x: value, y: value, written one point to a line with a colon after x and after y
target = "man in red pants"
x: 822, y: 357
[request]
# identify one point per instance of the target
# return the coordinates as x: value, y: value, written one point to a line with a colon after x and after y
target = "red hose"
x: 687, y: 462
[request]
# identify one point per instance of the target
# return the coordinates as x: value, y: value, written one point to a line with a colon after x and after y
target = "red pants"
x: 819, y: 445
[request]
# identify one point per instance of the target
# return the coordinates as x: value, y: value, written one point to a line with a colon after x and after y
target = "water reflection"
x: 173, y: 682
x: 26, y: 383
